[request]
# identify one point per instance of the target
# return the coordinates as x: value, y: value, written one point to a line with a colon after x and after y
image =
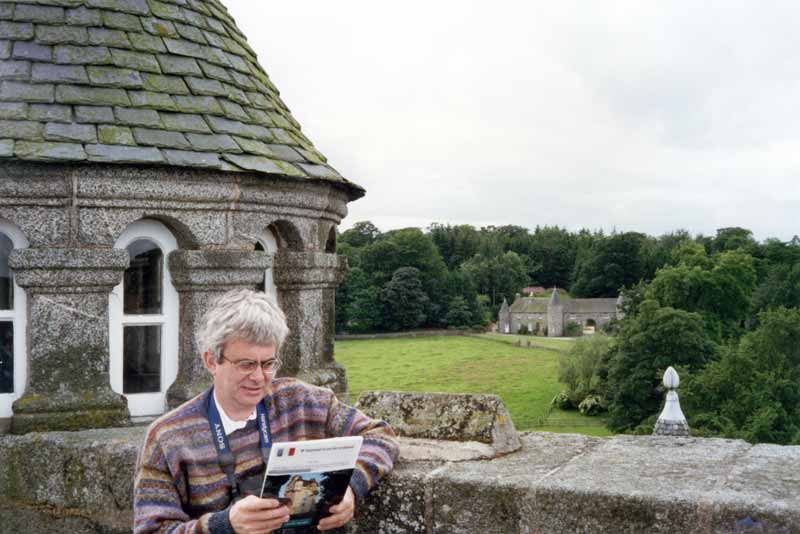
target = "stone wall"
x: 557, y: 483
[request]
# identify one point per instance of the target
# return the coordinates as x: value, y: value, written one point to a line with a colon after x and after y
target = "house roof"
x: 169, y: 82
x: 591, y: 305
x: 529, y: 305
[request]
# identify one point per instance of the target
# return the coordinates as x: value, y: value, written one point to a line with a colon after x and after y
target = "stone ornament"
x: 671, y: 422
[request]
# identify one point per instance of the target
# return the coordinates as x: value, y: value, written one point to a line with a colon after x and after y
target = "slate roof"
x: 591, y: 305
x: 169, y: 82
x: 529, y: 305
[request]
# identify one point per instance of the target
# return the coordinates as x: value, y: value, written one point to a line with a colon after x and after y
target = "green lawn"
x: 525, y: 378
x: 540, y: 341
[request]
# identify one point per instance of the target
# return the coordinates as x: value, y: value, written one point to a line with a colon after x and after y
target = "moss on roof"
x: 170, y: 82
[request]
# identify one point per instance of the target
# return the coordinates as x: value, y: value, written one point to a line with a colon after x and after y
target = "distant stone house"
x: 554, y: 313
x: 147, y: 165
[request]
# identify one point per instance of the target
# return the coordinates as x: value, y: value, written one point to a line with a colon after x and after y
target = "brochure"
x: 310, y: 477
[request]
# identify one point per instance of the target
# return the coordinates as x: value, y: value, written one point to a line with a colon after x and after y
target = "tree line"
x: 458, y: 275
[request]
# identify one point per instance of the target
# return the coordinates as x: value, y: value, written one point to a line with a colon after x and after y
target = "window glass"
x: 6, y: 357
x: 142, y: 283
x: 6, y: 285
x: 142, y: 359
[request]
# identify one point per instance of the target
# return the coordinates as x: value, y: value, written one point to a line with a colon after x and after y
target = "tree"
x: 553, y: 249
x: 498, y: 277
x: 612, y: 264
x: 733, y: 238
x: 456, y: 244
x: 362, y: 233
x: 649, y: 342
x: 781, y: 288
x: 459, y: 313
x: 365, y: 310
x: 404, y: 301
x: 356, y: 280
x: 753, y: 391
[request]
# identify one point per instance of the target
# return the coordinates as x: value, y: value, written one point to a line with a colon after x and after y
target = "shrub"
x: 573, y: 329
x: 523, y: 330
x: 592, y: 405
x: 562, y: 401
x: 584, y: 368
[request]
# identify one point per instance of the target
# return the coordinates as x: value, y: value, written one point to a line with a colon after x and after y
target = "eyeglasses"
x: 246, y: 367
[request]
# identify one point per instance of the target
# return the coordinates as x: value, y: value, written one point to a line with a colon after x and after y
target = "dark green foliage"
x: 781, y: 288
x: 404, y: 301
x: 498, y: 277
x: 753, y: 391
x: 573, y: 329
x: 459, y: 313
x: 355, y: 281
x: 649, y: 342
x: 456, y: 244
x: 610, y: 265
x: 365, y: 311
x: 362, y: 233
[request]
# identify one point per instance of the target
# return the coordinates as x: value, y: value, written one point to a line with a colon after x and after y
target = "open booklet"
x: 310, y: 477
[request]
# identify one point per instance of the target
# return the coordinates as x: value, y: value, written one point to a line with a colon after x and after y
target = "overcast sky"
x: 635, y: 115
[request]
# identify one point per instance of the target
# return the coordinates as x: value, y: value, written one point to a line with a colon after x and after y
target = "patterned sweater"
x: 180, y: 486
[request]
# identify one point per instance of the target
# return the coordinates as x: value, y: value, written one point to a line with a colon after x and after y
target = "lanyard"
x: 226, y: 458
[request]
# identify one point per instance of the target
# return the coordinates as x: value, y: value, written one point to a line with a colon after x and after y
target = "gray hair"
x: 242, y: 314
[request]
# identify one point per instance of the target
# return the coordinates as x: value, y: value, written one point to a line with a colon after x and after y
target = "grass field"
x: 525, y: 378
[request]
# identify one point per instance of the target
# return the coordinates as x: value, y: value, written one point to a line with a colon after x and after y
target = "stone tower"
x: 555, y: 315
x: 148, y: 164
x: 504, y: 318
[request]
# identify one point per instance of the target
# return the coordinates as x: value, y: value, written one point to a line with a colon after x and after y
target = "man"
x: 200, y: 460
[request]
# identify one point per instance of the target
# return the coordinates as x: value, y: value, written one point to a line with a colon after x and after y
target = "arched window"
x: 268, y: 242
x: 13, y: 364
x: 143, y: 314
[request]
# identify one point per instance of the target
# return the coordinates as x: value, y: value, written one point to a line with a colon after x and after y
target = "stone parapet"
x: 68, y: 382
x: 555, y: 484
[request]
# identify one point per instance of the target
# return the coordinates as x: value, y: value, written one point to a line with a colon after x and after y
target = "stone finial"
x: 671, y: 422
x: 554, y: 298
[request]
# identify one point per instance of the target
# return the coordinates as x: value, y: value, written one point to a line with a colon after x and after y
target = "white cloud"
x: 635, y: 115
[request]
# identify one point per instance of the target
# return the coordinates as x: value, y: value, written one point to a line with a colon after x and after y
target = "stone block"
x: 28, y: 130
x: 114, y: 77
x: 62, y: 35
x: 39, y: 14
x: 121, y: 21
x: 165, y: 11
x: 123, y: 154
x: 82, y: 55
x: 14, y: 111
x: 49, y: 151
x: 81, y: 16
x: 185, y: 122
x: 106, y: 37
x: 48, y: 72
x: 135, y: 60
x: 96, y: 96
x: 185, y: 158
x: 182, y: 47
x: 199, y: 104
x: 5, y: 49
x: 32, y: 50
x: 6, y: 148
x: 159, y: 27
x: 164, y: 84
x: 146, y: 43
x: 50, y: 113
x: 151, y: 100
x: 213, y: 143
x: 82, y: 133
x: 253, y: 163
x: 233, y: 110
x: 255, y: 147
x: 42, y: 226
x: 16, y: 31
x: 15, y: 70
x: 160, y: 138
x: 137, y: 117
x: 94, y: 114
x: 136, y: 7
x: 468, y: 417
x: 179, y: 65
x: 6, y: 11
x: 115, y: 135
x: 204, y: 86
x: 191, y: 33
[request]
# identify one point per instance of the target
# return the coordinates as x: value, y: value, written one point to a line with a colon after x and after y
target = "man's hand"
x: 252, y: 515
x: 341, y: 513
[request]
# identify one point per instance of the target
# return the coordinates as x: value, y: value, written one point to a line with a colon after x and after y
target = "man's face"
x: 237, y: 391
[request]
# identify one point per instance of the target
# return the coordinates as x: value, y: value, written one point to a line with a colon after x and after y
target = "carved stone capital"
x: 68, y: 270
x: 217, y: 270
x: 308, y: 270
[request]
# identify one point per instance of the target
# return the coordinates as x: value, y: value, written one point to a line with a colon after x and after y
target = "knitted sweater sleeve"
x: 378, y: 451
x: 157, y: 503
